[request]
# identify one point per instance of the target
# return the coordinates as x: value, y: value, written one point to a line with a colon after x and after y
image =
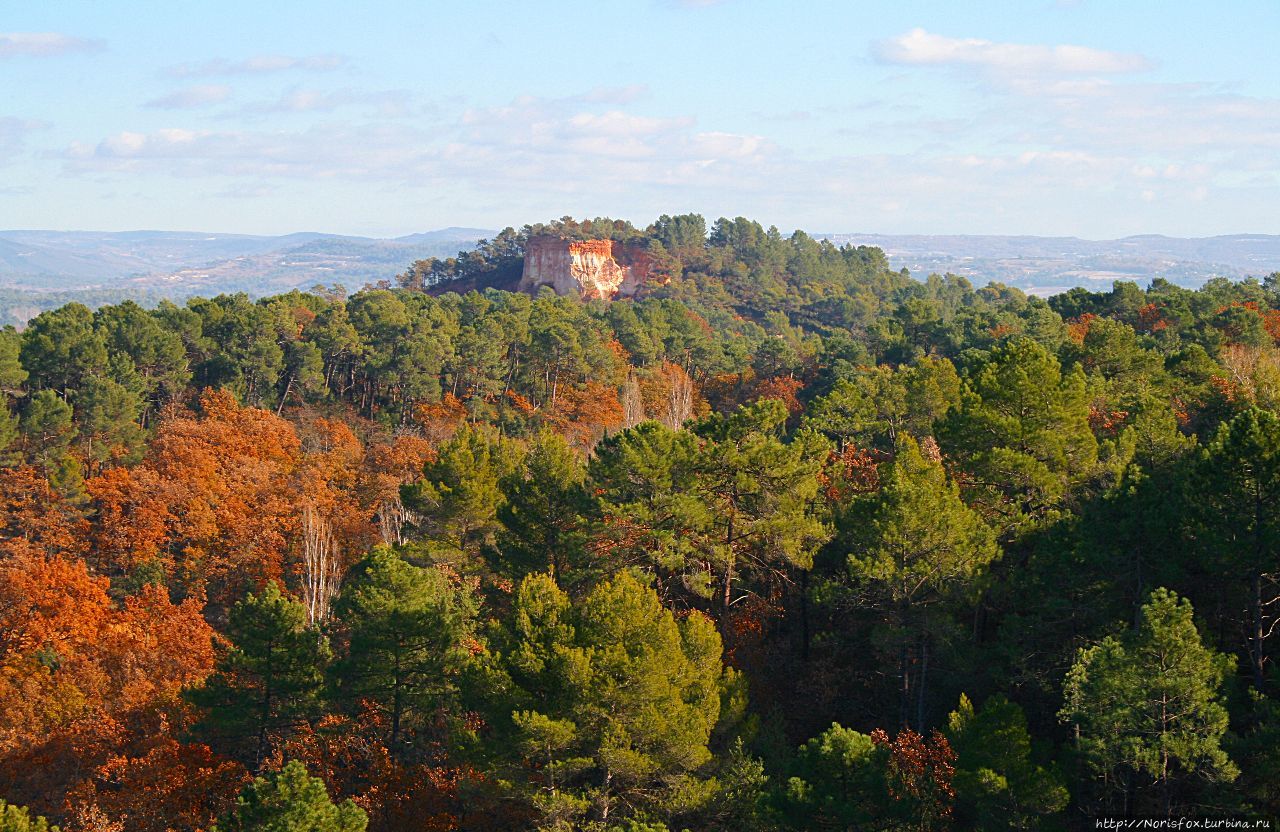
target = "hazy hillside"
x: 44, y: 269
x: 1047, y: 265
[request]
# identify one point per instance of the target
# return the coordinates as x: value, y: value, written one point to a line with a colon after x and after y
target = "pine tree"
x: 1234, y: 499
x: 1022, y: 433
x: 291, y: 800
x: 544, y: 514
x: 612, y: 702
x: 1147, y: 709
x: 19, y: 819
x: 708, y: 507
x: 909, y: 547
x: 998, y: 785
x: 269, y: 681
x: 458, y: 496
x: 48, y: 431
x: 409, y: 636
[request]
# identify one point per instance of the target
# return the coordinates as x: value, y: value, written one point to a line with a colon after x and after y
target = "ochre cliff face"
x: 586, y: 269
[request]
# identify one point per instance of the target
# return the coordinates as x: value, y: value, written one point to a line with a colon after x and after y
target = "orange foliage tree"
x: 82, y: 677
x: 211, y: 501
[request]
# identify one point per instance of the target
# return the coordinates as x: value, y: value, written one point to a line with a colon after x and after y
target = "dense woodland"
x: 792, y: 541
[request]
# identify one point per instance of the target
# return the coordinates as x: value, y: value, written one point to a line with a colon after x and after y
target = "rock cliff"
x: 588, y: 269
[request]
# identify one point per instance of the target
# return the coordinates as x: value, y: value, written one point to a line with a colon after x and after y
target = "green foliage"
x: 1148, y: 710
x: 269, y: 681
x: 409, y: 637
x: 48, y: 431
x: 1021, y: 433
x: 291, y: 800
x: 18, y: 819
x: 838, y: 782
x: 726, y: 499
x: 544, y: 513
x: 998, y: 784
x: 12, y: 373
x: 612, y: 702
x: 60, y: 349
x: 908, y: 547
x: 108, y: 415
x: 459, y: 495
x: 1236, y: 492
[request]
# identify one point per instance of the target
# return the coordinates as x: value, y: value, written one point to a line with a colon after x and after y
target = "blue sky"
x: 1058, y: 117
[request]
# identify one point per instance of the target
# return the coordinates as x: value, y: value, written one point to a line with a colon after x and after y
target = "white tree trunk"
x: 321, y: 565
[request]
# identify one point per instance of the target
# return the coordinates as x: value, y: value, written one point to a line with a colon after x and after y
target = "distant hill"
x: 1048, y: 265
x: 43, y: 269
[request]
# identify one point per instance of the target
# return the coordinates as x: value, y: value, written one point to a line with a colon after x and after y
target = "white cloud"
x: 1144, y: 151
x: 297, y: 99
x: 190, y: 98
x: 257, y: 65
x: 43, y: 44
x: 13, y: 136
x: 920, y: 47
x: 618, y: 96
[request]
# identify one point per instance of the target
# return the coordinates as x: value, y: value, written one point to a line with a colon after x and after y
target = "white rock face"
x: 585, y: 269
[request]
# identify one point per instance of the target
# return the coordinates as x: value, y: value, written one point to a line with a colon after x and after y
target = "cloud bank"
x: 920, y: 47
x: 44, y: 44
x: 257, y: 65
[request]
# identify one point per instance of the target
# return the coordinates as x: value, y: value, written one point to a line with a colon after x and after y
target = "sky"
x: 388, y: 117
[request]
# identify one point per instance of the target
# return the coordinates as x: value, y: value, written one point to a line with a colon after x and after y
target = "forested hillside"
x: 792, y: 541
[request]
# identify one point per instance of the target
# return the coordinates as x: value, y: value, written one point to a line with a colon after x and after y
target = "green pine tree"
x: 1234, y: 501
x: 1148, y: 712
x: 409, y: 637
x: 458, y: 496
x: 544, y: 513
x: 998, y: 785
x: 269, y: 681
x: 48, y: 431
x: 909, y: 547
x: 19, y: 819
x: 612, y: 703
x: 291, y: 800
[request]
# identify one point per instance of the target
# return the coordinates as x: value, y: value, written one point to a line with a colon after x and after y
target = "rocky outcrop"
x: 587, y: 269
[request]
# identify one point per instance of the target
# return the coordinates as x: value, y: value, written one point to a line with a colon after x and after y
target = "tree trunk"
x: 285, y: 396
x: 1256, y: 656
x: 804, y: 615
x: 920, y: 688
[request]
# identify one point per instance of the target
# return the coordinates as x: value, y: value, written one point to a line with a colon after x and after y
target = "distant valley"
x: 44, y: 269
x: 1049, y: 265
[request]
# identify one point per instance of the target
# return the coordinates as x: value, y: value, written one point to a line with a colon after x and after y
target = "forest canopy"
x: 789, y: 541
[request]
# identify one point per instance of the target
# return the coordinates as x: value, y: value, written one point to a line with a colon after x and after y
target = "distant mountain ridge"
x: 1046, y: 265
x: 64, y: 260
x: 42, y: 269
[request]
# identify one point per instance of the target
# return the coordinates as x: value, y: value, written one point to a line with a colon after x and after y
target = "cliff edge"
x: 587, y: 269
